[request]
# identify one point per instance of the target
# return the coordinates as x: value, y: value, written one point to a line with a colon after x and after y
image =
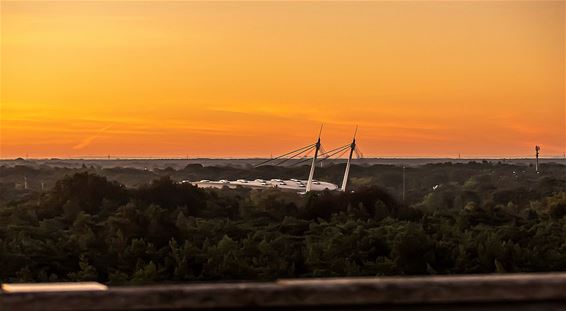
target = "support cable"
x: 295, y: 155
x: 338, y: 157
x: 286, y: 154
x: 343, y: 149
x: 338, y: 148
x: 325, y: 155
x: 306, y: 158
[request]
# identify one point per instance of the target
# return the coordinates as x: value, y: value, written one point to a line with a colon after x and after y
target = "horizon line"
x: 114, y: 158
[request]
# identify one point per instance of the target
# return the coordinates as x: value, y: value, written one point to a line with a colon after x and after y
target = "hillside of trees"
x: 464, y: 218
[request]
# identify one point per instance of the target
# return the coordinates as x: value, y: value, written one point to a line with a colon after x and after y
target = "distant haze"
x: 247, y: 79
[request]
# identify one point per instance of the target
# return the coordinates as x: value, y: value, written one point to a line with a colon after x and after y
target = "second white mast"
x: 313, y: 165
x: 347, y: 171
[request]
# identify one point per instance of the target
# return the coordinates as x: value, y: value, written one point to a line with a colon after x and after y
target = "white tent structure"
x: 302, y: 186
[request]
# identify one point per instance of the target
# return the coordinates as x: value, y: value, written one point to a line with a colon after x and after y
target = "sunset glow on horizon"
x: 250, y: 79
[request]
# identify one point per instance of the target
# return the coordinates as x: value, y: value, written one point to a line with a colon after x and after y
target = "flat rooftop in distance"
x: 283, y: 184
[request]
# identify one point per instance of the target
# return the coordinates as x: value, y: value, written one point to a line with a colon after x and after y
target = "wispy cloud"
x: 88, y: 140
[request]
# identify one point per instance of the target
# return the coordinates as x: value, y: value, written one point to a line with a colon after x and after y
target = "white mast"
x: 347, y: 172
x: 311, y: 174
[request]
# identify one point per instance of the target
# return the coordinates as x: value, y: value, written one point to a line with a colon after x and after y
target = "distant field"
x: 421, y: 174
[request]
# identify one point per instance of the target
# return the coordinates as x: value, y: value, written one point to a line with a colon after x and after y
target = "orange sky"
x: 235, y: 79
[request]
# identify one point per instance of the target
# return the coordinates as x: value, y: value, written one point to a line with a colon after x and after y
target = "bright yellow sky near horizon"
x: 238, y: 79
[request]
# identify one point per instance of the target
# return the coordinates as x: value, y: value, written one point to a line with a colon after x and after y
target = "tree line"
x: 87, y: 227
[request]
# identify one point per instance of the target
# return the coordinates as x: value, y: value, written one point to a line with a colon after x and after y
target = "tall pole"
x: 313, y: 165
x: 537, y: 149
x: 347, y: 171
x: 403, y: 196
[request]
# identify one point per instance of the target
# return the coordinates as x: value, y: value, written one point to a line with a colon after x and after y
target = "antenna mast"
x: 537, y: 149
x: 311, y: 174
x: 403, y: 197
x: 347, y: 171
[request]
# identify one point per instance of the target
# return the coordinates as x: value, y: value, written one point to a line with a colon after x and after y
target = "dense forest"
x: 93, y: 224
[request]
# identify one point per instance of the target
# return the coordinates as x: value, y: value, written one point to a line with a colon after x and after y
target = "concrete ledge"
x: 473, y: 292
